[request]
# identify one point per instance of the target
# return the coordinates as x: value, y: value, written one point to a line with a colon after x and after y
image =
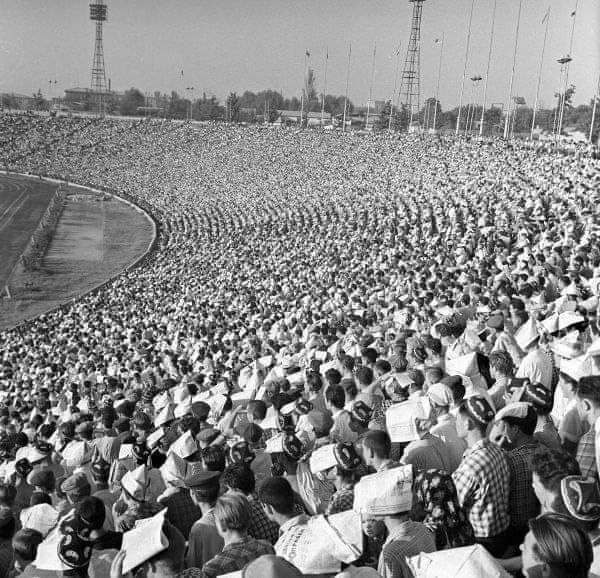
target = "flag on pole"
x: 573, y: 13
x: 546, y: 15
x: 308, y: 54
x: 436, y: 40
x: 182, y: 73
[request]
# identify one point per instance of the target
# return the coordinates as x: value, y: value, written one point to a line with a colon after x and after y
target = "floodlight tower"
x: 410, y: 85
x: 98, y: 12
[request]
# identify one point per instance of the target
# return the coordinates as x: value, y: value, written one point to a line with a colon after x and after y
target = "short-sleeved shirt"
x: 483, y: 485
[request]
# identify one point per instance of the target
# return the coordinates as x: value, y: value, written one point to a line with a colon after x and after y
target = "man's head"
x: 239, y: 478
x: 501, y: 365
x: 335, y: 397
x: 376, y: 447
x: 556, y: 546
x: 549, y: 467
x: 277, y: 496
x: 232, y: 514
x: 474, y: 416
x: 513, y: 424
x: 588, y: 398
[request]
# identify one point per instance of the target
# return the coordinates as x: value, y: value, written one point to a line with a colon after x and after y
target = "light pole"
x: 562, y: 90
x: 464, y: 76
x: 512, y: 73
x: 594, y: 109
x: 487, y: 70
x: 190, y: 90
x: 474, y: 79
x: 437, y: 88
x: 539, y: 78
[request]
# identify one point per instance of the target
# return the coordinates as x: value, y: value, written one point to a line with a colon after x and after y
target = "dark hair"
x: 588, y: 387
x: 257, y: 409
x: 314, y: 381
x: 502, y: 362
x: 7, y: 530
x: 8, y: 493
x: 336, y: 396
x: 364, y: 375
x: 277, y: 493
x: 239, y: 477
x: 25, y: 543
x: 347, y: 362
x: 333, y: 376
x: 369, y: 353
x: 463, y: 409
x: 92, y: 512
x: 383, y: 365
x: 378, y: 442
x: 562, y: 544
x: 551, y: 466
x: 214, y: 458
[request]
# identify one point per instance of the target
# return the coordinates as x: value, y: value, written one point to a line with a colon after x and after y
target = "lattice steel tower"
x: 410, y: 86
x: 98, y: 12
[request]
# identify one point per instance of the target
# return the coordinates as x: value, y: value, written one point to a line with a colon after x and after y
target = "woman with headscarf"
x: 436, y: 506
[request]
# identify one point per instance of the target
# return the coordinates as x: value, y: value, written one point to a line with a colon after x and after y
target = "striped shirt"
x: 408, y: 539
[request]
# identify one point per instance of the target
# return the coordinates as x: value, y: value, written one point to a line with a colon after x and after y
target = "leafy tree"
x: 132, y: 99
x: 178, y: 107
x: 233, y: 107
x: 207, y: 109
x: 39, y: 101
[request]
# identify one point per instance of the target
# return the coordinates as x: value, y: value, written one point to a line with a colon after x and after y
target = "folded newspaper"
x: 144, y: 541
x: 323, y: 543
x: 385, y: 493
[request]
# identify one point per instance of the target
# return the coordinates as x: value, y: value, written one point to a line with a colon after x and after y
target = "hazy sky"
x: 225, y: 45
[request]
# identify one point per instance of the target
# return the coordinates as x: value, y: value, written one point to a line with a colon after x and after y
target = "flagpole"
x: 462, y: 86
x: 437, y: 88
x: 562, y: 103
x: 306, y: 59
x: 596, y: 96
x: 512, y: 73
x: 487, y: 71
x: 324, y: 86
x: 391, y: 117
x: 347, y: 86
x: 539, y: 78
x: 371, y: 87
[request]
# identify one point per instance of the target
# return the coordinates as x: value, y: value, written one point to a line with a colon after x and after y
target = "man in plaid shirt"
x: 482, y: 478
x: 232, y: 515
x: 513, y: 430
x: 588, y: 404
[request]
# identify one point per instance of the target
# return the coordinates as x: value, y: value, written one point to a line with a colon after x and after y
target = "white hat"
x: 185, y: 445
x: 527, y: 334
x: 165, y: 416
x: 41, y: 517
x: 183, y: 407
x: 136, y: 483
x: 385, y: 493
x: 550, y: 324
x: 464, y: 365
x: 440, y: 394
x: 161, y: 400
x: 518, y: 409
x: 76, y: 454
x: 174, y: 470
x: 466, y: 562
x: 568, y: 318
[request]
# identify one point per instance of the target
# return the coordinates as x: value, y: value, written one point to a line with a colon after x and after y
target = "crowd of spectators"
x: 395, y: 333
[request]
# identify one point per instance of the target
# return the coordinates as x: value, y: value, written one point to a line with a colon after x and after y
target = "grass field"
x: 22, y: 204
x: 96, y: 238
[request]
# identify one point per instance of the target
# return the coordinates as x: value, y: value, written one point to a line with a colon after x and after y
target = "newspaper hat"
x: 174, y: 470
x: 465, y: 365
x: 466, y: 562
x: 574, y: 368
x: 550, y: 324
x: 581, y: 497
x: 385, y: 493
x: 41, y: 517
x: 185, y: 445
x: 401, y: 420
x: 567, y: 347
x: 136, y: 483
x: 517, y: 409
x: 165, y: 416
x: 527, y: 334
x: 568, y: 318
x: 440, y: 394
x: 76, y: 454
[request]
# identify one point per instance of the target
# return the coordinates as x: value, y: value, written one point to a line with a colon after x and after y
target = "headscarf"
x: 438, y: 509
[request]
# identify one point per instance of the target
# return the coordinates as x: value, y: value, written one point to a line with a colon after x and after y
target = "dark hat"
x: 581, y: 497
x: 479, y: 409
x: 303, y: 406
x: 292, y: 447
x: 73, y: 551
x: 202, y: 479
x: 346, y: 456
x: 361, y: 412
x: 539, y: 396
x: 241, y: 453
x: 86, y: 427
x: 23, y: 467
x: 100, y: 468
x: 285, y: 423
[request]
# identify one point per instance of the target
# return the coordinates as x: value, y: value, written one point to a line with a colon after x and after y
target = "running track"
x: 22, y: 204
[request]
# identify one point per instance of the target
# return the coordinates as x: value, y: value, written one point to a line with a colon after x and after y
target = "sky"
x: 237, y: 45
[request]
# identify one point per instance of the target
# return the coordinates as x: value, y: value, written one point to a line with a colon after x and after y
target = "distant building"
x: 84, y: 98
x: 293, y: 117
x: 19, y: 101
